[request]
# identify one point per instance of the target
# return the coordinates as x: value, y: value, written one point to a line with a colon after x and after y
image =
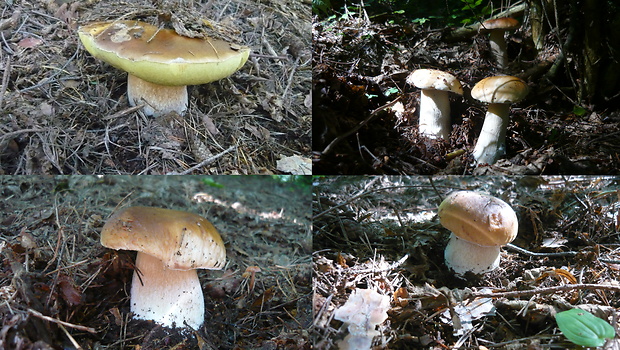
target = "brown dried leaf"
x: 28, y: 43
x: 69, y: 291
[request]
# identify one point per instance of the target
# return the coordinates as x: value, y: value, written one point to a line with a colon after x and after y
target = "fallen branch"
x: 358, y: 126
x: 464, y: 33
x: 546, y: 290
x: 66, y: 324
x: 205, y: 162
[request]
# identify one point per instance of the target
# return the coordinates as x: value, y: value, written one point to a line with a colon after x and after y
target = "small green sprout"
x: 583, y: 328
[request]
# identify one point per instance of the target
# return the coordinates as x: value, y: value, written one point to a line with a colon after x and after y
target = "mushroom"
x: 434, y: 103
x: 480, y: 224
x: 161, y: 63
x: 497, y: 27
x: 171, y: 245
x: 498, y: 92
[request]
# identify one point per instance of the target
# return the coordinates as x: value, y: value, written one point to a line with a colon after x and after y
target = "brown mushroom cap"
x: 435, y: 79
x: 181, y: 240
x: 499, y: 24
x: 500, y: 89
x: 479, y: 218
x: 161, y: 56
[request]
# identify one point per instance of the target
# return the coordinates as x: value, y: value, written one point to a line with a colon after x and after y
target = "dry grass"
x: 64, y: 112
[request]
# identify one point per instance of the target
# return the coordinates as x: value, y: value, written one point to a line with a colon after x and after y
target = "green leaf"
x: 583, y: 328
x: 390, y: 91
x: 579, y: 111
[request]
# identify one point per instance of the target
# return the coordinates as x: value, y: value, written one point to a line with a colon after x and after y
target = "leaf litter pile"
x: 64, y: 112
x: 366, y: 116
x: 379, y: 237
x: 59, y: 288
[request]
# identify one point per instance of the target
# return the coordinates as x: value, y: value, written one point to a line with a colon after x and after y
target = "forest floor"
x: 382, y: 233
x: 360, y: 66
x: 53, y: 267
x: 64, y: 112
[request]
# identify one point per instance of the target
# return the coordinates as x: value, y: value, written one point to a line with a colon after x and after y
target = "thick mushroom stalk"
x: 169, y: 297
x: 499, y: 92
x: 434, y: 120
x: 491, y: 144
x: 434, y: 114
x: 478, y: 259
x: 158, y: 99
x: 498, y: 46
x: 497, y: 27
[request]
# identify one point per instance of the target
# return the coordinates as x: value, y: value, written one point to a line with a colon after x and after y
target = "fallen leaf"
x: 28, y: 43
x: 295, y: 165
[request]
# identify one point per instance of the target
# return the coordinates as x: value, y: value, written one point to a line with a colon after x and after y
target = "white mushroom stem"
x: 462, y: 256
x: 169, y: 297
x: 499, y: 48
x: 491, y: 144
x: 434, y: 114
x: 159, y: 99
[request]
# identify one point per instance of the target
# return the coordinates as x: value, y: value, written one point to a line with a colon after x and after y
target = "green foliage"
x: 303, y: 182
x: 583, y: 328
x: 579, y: 111
x: 209, y: 181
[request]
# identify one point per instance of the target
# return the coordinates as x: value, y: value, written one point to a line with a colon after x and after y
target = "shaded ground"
x: 360, y: 66
x: 364, y: 225
x: 52, y: 263
x: 64, y: 112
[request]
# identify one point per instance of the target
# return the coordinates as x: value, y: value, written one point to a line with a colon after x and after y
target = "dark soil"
x: 364, y: 225
x: 51, y: 263
x: 360, y: 66
x: 64, y: 112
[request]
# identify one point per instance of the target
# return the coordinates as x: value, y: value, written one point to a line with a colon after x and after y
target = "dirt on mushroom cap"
x: 141, y: 49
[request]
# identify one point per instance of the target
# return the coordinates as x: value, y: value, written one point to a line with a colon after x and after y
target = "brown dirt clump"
x: 59, y: 288
x: 64, y: 112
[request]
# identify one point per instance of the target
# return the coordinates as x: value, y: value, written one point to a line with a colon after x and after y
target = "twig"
x: 8, y: 135
x: 527, y: 252
x: 358, y: 126
x: 553, y: 255
x: 66, y: 324
x: 5, y: 79
x: 75, y: 343
x: 124, y: 112
x: 268, y: 56
x: 546, y: 290
x: 204, y: 162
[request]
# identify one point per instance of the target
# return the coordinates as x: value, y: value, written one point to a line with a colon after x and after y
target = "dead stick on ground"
x: 358, y: 126
x: 546, y: 290
x: 66, y: 324
x: 5, y: 79
x: 205, y: 162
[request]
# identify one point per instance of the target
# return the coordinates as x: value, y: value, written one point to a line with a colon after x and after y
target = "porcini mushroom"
x: 434, y: 102
x: 499, y: 92
x: 161, y: 63
x: 480, y: 225
x: 496, y: 29
x: 171, y: 245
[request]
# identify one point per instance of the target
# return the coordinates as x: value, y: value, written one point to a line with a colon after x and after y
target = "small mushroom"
x: 161, y: 63
x: 171, y: 245
x: 496, y: 29
x: 480, y: 225
x: 434, y: 102
x: 499, y: 92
